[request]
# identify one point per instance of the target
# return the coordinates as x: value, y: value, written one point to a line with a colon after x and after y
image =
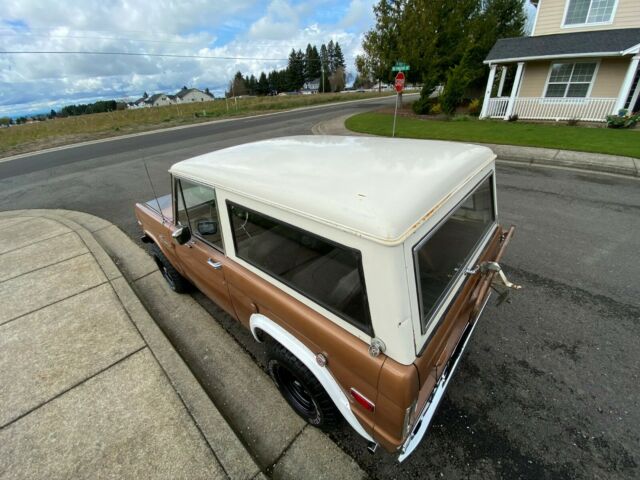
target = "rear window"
x: 441, y: 255
x: 328, y: 273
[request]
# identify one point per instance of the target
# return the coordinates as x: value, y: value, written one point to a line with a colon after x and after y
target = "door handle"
x: 214, y: 264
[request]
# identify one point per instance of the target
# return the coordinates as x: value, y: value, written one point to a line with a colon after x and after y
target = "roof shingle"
x: 565, y: 45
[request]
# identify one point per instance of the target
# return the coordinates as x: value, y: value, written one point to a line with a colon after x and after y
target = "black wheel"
x: 174, y: 279
x: 301, y: 389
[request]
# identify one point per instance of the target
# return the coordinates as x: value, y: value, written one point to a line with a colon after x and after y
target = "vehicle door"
x: 202, y: 258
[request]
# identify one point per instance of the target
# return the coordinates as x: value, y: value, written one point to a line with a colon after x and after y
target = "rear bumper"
x: 426, y: 416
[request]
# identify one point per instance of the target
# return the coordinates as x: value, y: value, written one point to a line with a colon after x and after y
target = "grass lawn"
x: 62, y: 131
x: 596, y: 140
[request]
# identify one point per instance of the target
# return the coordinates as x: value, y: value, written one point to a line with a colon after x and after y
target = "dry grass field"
x: 63, y: 131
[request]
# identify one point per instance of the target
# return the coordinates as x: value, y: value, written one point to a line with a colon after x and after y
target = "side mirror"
x: 207, y: 227
x: 181, y: 235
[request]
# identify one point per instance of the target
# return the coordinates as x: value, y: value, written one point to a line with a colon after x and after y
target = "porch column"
x: 503, y: 76
x: 514, y: 91
x: 487, y: 92
x: 626, y: 84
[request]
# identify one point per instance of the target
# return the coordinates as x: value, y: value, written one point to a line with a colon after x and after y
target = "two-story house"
x: 580, y: 62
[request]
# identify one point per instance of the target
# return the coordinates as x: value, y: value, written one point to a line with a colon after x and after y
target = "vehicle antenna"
x: 153, y: 190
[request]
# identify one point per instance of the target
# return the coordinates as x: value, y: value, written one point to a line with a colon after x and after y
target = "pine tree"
x: 262, y: 87
x: 315, y: 67
x: 324, y: 66
x: 331, y: 54
x: 252, y: 84
x: 308, y: 63
x: 339, y: 58
x: 435, y: 36
x: 238, y: 85
x: 295, y: 70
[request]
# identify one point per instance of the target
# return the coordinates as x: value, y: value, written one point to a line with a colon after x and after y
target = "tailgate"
x: 444, y: 349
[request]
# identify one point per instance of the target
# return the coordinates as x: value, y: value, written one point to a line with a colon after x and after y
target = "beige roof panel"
x: 380, y: 188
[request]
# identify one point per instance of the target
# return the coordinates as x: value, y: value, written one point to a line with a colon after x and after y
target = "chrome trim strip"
x: 429, y: 411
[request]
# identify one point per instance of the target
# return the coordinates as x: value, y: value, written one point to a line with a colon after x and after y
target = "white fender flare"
x: 308, y: 358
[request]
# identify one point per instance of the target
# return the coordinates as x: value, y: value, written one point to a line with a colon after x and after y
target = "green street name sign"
x: 400, y: 67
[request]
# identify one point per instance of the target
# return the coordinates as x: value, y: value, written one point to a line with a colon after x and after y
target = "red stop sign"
x: 399, y: 82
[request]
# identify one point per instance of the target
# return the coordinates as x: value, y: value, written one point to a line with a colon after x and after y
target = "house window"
x: 570, y: 79
x: 580, y: 12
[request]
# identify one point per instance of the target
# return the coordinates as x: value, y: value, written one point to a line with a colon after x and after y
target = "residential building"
x: 193, y: 95
x: 580, y: 62
x: 311, y: 86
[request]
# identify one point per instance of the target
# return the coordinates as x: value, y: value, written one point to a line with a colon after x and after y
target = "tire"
x: 300, y: 388
x: 174, y: 279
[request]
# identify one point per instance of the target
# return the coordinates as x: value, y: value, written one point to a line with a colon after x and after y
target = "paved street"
x: 548, y: 388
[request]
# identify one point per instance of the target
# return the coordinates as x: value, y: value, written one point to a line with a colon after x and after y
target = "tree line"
x: 443, y: 41
x: 327, y: 65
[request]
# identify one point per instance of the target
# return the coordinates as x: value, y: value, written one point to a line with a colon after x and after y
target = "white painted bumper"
x: 426, y: 416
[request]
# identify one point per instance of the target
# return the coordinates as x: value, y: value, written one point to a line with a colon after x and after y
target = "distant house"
x: 160, y: 100
x: 193, y: 95
x: 186, y: 95
x: 312, y: 86
x: 139, y: 103
x: 580, y: 62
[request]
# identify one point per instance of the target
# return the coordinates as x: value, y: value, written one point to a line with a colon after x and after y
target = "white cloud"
x: 280, y: 22
x: 237, y: 28
x: 359, y: 14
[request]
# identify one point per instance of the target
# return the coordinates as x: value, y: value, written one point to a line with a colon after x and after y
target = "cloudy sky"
x: 259, y: 29
x: 256, y: 29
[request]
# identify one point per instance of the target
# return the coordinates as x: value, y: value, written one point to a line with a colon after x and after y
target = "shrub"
x: 436, y: 109
x: 622, y: 119
x: 461, y: 118
x: 422, y: 106
x: 457, y: 82
x: 475, y: 106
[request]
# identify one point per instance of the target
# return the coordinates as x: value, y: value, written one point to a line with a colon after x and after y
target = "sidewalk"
x: 597, y: 162
x: 90, y: 387
x: 86, y: 377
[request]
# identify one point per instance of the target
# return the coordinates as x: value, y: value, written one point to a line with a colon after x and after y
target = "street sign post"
x: 399, y: 86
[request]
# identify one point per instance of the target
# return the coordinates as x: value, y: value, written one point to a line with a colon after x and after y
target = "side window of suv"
x: 327, y: 273
x: 197, y: 208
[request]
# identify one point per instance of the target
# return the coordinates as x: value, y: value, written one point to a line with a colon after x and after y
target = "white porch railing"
x: 542, y: 108
x: 497, y: 107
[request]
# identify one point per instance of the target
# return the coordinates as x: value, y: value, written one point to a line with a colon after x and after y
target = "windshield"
x: 440, y: 256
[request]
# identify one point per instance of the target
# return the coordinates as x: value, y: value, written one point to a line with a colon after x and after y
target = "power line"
x: 137, y: 54
x: 141, y: 54
x: 87, y: 37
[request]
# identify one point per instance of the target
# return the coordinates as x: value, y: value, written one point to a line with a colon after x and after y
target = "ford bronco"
x: 364, y: 263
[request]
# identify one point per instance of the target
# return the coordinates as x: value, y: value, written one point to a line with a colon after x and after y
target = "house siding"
x: 607, y: 83
x: 196, y: 97
x: 534, y: 78
x: 551, y: 15
x: 610, y: 76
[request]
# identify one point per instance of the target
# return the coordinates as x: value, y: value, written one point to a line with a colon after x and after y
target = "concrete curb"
x: 280, y: 443
x: 530, y: 156
x: 227, y: 448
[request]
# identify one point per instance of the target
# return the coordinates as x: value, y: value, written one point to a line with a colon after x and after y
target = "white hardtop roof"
x: 379, y: 188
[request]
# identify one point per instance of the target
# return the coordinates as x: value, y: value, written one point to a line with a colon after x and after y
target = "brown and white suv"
x: 365, y: 264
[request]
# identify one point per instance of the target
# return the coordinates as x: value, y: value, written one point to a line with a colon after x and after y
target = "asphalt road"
x: 549, y: 385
